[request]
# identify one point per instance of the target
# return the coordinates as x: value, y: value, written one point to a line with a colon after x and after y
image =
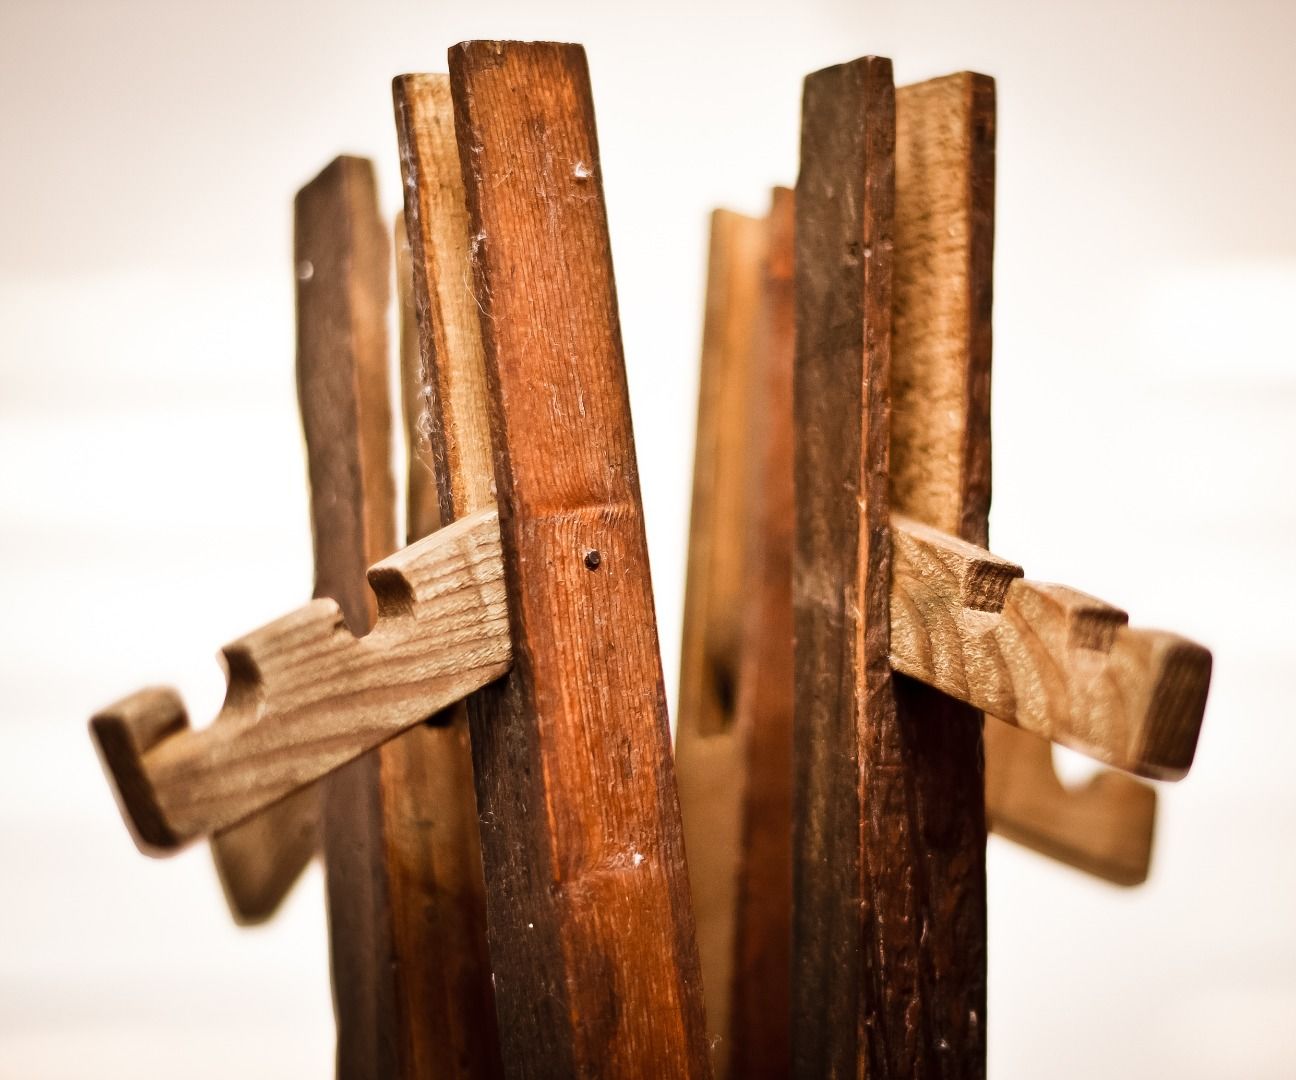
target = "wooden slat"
x: 590, y: 924
x: 343, y: 270
x: 858, y: 916
x: 942, y: 443
x: 709, y: 756
x: 759, y: 1028
x: 259, y: 860
x: 448, y: 436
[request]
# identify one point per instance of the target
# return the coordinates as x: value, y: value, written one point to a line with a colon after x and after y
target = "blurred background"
x: 152, y: 480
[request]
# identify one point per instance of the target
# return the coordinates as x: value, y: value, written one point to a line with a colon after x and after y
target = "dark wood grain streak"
x: 343, y: 270
x: 759, y: 1032
x: 857, y: 914
x: 590, y: 924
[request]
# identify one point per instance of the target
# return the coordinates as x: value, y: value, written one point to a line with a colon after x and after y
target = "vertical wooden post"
x: 858, y: 917
x: 590, y: 925
x: 709, y: 754
x: 343, y: 272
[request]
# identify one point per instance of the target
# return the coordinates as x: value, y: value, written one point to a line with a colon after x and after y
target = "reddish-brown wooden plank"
x: 759, y: 1032
x: 859, y: 916
x: 709, y: 755
x: 449, y: 446
x: 590, y: 925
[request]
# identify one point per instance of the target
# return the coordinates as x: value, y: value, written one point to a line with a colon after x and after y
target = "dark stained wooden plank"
x: 343, y: 271
x: 759, y: 1028
x: 709, y: 753
x: 858, y: 916
x: 447, y: 431
x: 590, y: 926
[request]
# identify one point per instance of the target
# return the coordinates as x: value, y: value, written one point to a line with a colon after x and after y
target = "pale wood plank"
x: 709, y: 756
x: 1103, y: 827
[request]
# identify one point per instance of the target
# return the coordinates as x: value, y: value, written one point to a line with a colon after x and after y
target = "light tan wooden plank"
x: 453, y: 422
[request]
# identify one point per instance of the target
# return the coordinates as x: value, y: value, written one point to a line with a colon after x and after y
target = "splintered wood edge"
x: 1045, y: 658
x: 305, y: 696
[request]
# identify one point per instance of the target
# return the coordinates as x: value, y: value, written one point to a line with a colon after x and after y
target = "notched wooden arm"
x: 305, y: 696
x: 1046, y: 658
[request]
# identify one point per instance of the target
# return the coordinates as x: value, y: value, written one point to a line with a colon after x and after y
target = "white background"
x: 152, y: 500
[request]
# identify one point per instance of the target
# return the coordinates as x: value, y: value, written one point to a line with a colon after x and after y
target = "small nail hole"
x: 593, y: 560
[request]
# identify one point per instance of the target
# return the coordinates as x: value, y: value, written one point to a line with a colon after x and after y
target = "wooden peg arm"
x: 305, y: 696
x: 1045, y: 658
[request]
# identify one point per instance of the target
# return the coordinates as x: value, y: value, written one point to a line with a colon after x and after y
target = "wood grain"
x: 306, y: 696
x: 438, y: 891
x: 709, y: 755
x: 857, y: 917
x: 590, y: 924
x: 759, y: 1028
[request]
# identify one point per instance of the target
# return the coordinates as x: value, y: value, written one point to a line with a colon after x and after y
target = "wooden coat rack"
x: 478, y: 741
